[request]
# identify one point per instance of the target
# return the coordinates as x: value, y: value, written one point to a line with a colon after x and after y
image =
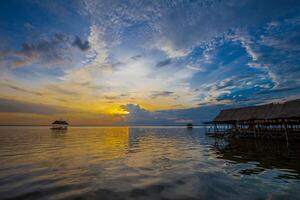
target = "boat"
x: 59, y: 125
x: 189, y: 126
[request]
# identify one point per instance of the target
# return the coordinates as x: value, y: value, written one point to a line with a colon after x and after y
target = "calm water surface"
x: 143, y: 163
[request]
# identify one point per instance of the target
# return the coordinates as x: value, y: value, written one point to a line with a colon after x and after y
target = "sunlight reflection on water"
x: 142, y: 163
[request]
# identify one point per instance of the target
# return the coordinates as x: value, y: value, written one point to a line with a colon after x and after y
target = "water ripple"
x: 142, y: 163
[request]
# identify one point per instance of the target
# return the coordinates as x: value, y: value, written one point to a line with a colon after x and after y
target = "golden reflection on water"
x: 94, y: 143
x: 63, y: 155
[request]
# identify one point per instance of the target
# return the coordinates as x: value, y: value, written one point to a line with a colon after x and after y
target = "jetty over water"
x: 270, y: 121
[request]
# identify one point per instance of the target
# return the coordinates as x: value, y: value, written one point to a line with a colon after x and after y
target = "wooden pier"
x: 270, y: 121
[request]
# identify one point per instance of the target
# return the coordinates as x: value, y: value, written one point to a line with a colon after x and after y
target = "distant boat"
x: 189, y: 126
x: 60, y: 125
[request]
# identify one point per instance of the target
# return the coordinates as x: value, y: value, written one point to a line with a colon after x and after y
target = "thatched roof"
x: 290, y: 109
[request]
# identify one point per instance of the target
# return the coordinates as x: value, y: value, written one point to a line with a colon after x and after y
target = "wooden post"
x: 215, y: 129
x: 286, y: 131
x: 254, y: 124
x: 259, y: 126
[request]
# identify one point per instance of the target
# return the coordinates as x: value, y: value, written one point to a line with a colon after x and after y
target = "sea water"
x: 143, y: 163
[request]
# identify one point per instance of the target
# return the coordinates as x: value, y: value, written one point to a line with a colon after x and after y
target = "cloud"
x: 8, y: 105
x: 272, y: 61
x: 162, y: 94
x: 224, y: 65
x: 137, y: 77
x: 279, y: 90
x: 196, y: 68
x: 234, y: 82
x: 163, y: 63
x: 83, y: 46
x: 177, y: 30
x: 98, y: 46
x: 278, y: 49
x: 116, y: 97
x: 139, y: 116
x: 19, y: 89
x: 62, y: 90
x: 247, y: 45
x: 136, y: 57
x: 45, y: 51
x: 188, y: 24
x: 170, y: 50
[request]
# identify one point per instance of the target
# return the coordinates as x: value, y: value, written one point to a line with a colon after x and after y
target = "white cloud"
x: 196, y: 68
x: 171, y: 51
x: 246, y: 43
x: 138, y: 78
x: 98, y: 45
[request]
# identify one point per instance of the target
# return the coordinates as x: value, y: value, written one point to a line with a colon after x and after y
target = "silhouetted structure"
x: 270, y: 121
x: 189, y: 126
x: 60, y: 125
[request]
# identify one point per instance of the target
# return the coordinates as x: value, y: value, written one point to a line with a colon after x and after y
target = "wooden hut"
x: 272, y: 121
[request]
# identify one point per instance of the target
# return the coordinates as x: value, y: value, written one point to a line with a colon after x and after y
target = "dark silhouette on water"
x: 270, y: 121
x: 189, y: 126
x: 59, y: 125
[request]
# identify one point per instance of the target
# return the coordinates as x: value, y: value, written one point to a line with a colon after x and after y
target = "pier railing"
x: 287, y: 129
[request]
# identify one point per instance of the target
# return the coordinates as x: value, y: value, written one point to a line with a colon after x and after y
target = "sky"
x: 132, y: 62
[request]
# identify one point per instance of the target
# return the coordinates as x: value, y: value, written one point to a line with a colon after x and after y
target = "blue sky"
x: 144, y: 62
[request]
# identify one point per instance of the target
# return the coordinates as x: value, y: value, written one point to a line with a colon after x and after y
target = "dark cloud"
x: 91, y: 85
x: 196, y: 115
x: 115, y: 97
x: 140, y: 116
x: 279, y: 90
x: 157, y: 94
x: 45, y: 51
x: 61, y: 90
x: 111, y: 97
x: 164, y: 63
x: 136, y: 57
x: 117, y: 64
x: 134, y: 108
x: 21, y: 89
x: 25, y: 107
x: 82, y: 45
